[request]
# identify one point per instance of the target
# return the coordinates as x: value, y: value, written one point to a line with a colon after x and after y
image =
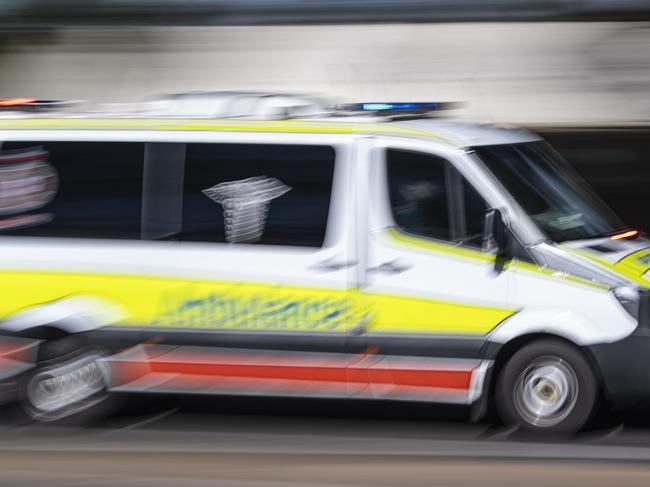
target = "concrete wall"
x: 559, y: 78
x: 529, y: 73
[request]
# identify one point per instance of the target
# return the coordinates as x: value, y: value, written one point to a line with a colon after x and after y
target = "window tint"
x: 269, y: 194
x: 71, y: 189
x: 554, y: 196
x: 430, y: 198
x: 162, y: 190
x: 418, y: 193
x: 475, y: 208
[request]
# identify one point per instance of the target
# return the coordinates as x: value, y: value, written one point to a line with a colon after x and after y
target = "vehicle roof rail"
x: 235, y: 104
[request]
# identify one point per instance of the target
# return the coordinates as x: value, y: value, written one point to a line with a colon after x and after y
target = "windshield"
x: 549, y: 191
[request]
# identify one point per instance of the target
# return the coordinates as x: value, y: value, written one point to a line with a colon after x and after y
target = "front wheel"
x: 547, y: 386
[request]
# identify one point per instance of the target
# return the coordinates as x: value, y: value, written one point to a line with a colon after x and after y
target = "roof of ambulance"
x: 452, y: 131
x: 468, y: 134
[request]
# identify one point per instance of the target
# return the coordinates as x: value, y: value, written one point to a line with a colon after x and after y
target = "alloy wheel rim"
x: 546, y: 392
x: 61, y: 388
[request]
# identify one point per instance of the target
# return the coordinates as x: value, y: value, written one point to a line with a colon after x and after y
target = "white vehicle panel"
x: 584, y: 314
x: 331, y: 267
x: 74, y: 314
x: 427, y: 275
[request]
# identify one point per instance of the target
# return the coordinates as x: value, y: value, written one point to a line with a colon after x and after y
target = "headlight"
x: 628, y: 296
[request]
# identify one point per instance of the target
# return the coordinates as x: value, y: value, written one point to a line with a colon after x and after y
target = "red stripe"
x: 325, y: 374
x: 446, y: 379
x: 335, y: 369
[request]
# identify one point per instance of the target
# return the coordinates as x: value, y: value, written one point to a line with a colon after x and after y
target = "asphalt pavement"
x: 243, y: 442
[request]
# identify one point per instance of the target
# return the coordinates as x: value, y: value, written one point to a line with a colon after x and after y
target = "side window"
x: 71, y: 189
x: 475, y: 208
x: 253, y: 193
x: 418, y: 193
x: 430, y: 198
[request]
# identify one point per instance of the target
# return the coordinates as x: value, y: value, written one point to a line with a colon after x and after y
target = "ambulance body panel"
x: 293, y: 258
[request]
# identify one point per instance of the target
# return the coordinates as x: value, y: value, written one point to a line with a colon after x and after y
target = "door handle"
x: 391, y: 267
x: 358, y: 329
x: 332, y: 264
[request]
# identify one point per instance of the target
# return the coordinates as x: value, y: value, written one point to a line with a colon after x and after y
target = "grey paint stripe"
x: 222, y: 442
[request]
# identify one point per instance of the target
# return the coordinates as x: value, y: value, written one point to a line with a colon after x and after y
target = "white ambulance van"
x: 263, y: 247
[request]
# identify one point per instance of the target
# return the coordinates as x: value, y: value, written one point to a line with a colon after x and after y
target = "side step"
x: 202, y: 370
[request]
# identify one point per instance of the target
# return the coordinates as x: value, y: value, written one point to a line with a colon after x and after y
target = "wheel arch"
x: 66, y: 316
x: 501, y: 353
x: 579, y: 330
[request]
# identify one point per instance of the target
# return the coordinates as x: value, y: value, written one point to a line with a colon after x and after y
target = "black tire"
x: 547, y: 386
x: 63, y: 366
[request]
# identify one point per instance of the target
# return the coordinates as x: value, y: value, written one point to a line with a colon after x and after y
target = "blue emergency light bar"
x: 397, y: 107
x: 375, y: 107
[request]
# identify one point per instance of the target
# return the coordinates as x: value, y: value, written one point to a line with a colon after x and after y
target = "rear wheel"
x: 67, y: 381
x: 547, y: 386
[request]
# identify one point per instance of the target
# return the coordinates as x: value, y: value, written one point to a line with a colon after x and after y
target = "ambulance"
x: 265, y: 244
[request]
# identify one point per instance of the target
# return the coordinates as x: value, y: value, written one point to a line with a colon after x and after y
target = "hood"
x: 630, y: 258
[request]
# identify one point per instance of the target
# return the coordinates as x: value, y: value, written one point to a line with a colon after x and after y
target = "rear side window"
x: 71, y: 189
x: 430, y: 198
x: 267, y: 194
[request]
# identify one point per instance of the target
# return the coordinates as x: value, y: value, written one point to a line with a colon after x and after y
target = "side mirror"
x: 496, y: 237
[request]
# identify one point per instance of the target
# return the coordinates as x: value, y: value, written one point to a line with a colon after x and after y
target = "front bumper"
x: 624, y: 366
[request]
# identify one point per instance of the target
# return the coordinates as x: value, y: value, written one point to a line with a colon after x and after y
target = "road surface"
x: 254, y: 442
